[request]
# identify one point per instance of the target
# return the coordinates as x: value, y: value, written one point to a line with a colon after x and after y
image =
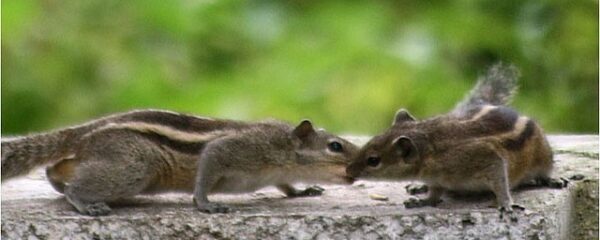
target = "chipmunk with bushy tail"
x: 152, y: 151
x: 480, y: 145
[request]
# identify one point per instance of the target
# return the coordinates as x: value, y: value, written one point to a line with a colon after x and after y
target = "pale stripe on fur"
x: 163, y: 130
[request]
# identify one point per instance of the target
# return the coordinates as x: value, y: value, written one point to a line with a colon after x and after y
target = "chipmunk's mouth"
x: 341, y: 179
x: 348, y: 180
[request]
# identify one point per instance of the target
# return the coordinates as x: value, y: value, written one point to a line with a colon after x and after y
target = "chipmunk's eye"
x: 335, y: 146
x: 373, y: 161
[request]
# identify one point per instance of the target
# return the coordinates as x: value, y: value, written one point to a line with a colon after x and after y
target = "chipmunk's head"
x: 322, y: 155
x: 391, y: 155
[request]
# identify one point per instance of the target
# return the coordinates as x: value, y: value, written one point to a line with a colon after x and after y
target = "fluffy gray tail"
x: 20, y: 155
x: 495, y: 88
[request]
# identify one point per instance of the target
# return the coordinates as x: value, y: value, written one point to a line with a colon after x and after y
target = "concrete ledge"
x: 32, y: 210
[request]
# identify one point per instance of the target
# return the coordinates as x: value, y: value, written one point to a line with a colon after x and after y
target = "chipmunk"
x: 152, y: 151
x: 480, y: 145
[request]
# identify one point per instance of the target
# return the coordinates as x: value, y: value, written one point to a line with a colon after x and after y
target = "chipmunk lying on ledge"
x: 151, y: 151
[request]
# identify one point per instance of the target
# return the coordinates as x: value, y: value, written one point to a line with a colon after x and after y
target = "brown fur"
x: 61, y: 173
x: 478, y: 146
x: 152, y: 151
x: 461, y: 154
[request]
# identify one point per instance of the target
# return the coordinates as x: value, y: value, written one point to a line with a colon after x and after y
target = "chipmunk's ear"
x: 304, y: 129
x: 406, y: 149
x: 402, y: 115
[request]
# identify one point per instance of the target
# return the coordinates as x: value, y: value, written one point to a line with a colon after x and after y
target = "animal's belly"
x: 464, y: 185
x: 243, y: 184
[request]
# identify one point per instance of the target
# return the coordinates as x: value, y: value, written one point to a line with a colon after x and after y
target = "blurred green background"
x: 347, y: 65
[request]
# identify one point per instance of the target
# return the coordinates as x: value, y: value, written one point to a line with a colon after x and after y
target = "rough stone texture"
x: 585, y: 215
x: 32, y: 210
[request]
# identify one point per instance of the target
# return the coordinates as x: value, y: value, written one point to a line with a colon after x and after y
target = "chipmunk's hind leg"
x: 98, y: 208
x: 112, y: 166
x: 97, y: 182
x: 543, y: 179
x: 543, y: 159
x: 549, y: 182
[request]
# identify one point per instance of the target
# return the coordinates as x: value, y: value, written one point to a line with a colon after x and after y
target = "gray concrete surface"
x: 32, y: 210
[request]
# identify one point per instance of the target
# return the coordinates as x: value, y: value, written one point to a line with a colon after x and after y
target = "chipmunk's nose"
x: 353, y: 170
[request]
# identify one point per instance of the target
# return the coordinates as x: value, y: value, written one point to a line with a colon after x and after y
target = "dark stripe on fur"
x: 471, y: 112
x: 499, y: 120
x: 519, y: 143
x: 496, y: 121
x: 182, y: 122
x: 20, y: 155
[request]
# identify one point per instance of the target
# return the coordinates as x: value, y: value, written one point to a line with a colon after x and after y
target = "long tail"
x: 497, y: 87
x: 22, y: 154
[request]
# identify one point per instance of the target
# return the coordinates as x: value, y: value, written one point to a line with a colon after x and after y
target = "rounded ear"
x: 304, y: 129
x: 406, y: 149
x: 402, y: 115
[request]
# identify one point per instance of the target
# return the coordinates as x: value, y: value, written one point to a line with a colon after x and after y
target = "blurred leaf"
x: 347, y: 65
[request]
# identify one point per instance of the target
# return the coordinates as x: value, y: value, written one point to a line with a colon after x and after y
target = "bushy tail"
x: 495, y: 88
x: 22, y: 154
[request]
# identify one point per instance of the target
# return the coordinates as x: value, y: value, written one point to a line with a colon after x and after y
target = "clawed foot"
x: 87, y: 208
x: 414, y: 189
x: 210, y: 207
x: 417, y: 203
x: 96, y: 209
x: 213, y: 208
x: 548, y: 182
x: 577, y: 177
x: 557, y: 182
x: 309, y: 192
x: 508, y: 213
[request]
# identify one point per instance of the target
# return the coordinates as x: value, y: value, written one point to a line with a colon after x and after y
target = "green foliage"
x: 347, y: 65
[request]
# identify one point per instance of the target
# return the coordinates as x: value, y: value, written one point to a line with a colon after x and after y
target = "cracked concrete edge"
x: 580, y: 145
x: 577, y: 153
x: 551, y: 221
x: 466, y: 225
x: 585, y: 216
x: 567, y: 218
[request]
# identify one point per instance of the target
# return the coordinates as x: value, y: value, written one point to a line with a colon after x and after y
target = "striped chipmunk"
x: 153, y: 151
x: 480, y: 145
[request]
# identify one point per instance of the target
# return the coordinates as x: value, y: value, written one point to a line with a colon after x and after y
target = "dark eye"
x: 335, y: 147
x: 373, y: 161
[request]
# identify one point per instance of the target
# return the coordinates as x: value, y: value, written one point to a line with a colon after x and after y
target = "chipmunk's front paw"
x: 417, y: 203
x: 310, y: 191
x: 509, y: 213
x: 414, y: 189
x: 213, y: 208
